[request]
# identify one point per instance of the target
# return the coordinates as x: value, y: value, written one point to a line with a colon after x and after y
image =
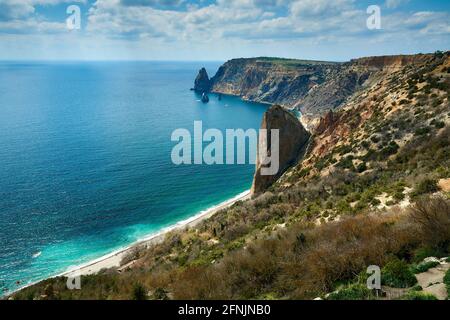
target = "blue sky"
x: 219, y: 29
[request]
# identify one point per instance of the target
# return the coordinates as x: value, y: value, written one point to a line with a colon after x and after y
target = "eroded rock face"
x: 313, y: 87
x: 293, y: 138
x: 202, y: 83
x: 326, y: 122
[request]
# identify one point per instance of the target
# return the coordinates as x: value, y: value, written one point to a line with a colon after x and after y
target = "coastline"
x: 113, y: 259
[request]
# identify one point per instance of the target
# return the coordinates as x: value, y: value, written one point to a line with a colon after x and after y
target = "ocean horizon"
x: 85, y: 159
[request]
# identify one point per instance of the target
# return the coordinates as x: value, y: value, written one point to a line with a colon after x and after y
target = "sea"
x: 85, y: 159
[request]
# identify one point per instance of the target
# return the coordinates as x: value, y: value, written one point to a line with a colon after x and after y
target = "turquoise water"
x: 85, y: 163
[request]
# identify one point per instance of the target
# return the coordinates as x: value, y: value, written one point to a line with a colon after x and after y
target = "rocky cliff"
x: 313, y: 87
x: 293, y: 138
x: 202, y: 82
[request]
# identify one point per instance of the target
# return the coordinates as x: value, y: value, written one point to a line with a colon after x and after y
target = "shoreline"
x: 113, y: 259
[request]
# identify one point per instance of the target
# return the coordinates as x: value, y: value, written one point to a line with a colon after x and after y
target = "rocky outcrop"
x: 202, y: 83
x: 205, y: 98
x: 326, y: 122
x: 293, y: 138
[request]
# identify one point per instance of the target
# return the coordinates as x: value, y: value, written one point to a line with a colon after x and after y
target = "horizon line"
x: 215, y: 60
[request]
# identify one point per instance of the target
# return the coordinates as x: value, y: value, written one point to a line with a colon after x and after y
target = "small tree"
x: 432, y: 215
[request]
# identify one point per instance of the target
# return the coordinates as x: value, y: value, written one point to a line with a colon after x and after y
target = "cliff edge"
x: 293, y: 138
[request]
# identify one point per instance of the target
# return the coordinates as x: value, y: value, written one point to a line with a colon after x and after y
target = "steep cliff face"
x: 293, y: 138
x: 268, y: 80
x: 313, y: 87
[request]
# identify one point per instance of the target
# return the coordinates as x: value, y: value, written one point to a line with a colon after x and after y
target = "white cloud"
x: 392, y: 4
x: 228, y: 24
x: 314, y: 8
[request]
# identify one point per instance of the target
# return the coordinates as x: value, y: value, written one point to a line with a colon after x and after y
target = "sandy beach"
x: 114, y: 259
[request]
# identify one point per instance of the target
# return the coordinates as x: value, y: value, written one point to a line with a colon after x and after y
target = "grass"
x: 415, y: 295
x: 352, y: 292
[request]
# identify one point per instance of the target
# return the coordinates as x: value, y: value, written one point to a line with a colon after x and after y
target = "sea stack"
x: 202, y: 83
x: 205, y: 98
x: 293, y: 138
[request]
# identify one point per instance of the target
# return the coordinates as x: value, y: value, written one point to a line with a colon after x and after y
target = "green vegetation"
x: 426, y: 252
x: 426, y: 186
x: 397, y: 274
x: 447, y: 281
x: 424, y: 267
x: 415, y: 295
x: 139, y: 292
x: 352, y: 292
x: 298, y: 262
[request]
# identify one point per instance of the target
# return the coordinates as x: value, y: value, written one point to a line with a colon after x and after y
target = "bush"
x: 425, y: 266
x: 426, y: 186
x: 139, y: 292
x: 432, y: 215
x: 361, y: 167
x: 346, y: 163
x: 397, y: 274
x: 417, y: 288
x: 447, y: 281
x: 416, y: 295
x: 352, y: 292
x: 160, y: 294
x: 422, y: 131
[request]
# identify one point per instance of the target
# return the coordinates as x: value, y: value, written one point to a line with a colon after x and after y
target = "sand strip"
x: 113, y: 259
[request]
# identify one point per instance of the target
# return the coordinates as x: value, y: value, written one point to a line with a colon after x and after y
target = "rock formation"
x: 326, y: 122
x: 202, y: 83
x: 313, y: 87
x: 293, y: 138
x: 205, y: 98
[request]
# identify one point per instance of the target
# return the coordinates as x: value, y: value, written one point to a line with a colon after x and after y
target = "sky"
x: 218, y: 30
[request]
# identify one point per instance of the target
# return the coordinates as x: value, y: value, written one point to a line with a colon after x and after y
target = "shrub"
x: 375, y: 139
x: 425, y: 266
x: 389, y: 150
x: 346, y: 163
x: 417, y: 288
x: 425, y: 186
x: 160, y: 294
x: 352, y: 292
x: 439, y: 124
x: 397, y: 274
x: 432, y: 215
x: 422, y: 131
x: 361, y: 167
x: 416, y: 295
x: 447, y: 281
x: 139, y: 292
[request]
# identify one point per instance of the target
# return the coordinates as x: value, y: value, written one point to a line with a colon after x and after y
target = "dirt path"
x: 432, y: 281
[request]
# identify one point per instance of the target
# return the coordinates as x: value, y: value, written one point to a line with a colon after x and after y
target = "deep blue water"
x: 85, y: 163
